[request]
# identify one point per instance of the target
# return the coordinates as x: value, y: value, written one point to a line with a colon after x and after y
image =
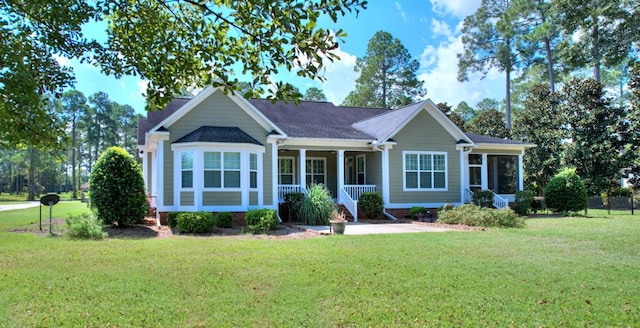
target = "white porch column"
x: 340, y: 170
x: 463, y: 176
x: 520, y: 172
x: 484, y: 174
x: 303, y: 169
x: 145, y: 171
x: 274, y: 176
x: 385, y: 176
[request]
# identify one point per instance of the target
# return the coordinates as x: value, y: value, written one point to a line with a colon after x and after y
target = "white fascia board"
x: 492, y: 146
x: 218, y: 146
x: 204, y: 94
x: 310, y: 142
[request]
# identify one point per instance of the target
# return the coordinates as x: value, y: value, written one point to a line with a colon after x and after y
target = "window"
x: 360, y: 170
x: 475, y: 172
x: 502, y: 171
x: 285, y: 171
x: 222, y: 169
x: 253, y: 171
x: 425, y: 171
x: 186, y: 167
x: 316, y: 171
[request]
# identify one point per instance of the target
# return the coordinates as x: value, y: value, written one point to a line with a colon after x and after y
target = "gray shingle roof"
x: 476, y: 138
x: 218, y: 134
x: 153, y: 118
x: 382, y: 125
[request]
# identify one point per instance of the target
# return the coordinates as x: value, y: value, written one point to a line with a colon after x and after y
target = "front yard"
x: 554, y: 272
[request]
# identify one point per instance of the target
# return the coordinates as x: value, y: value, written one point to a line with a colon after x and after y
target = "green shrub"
x: 85, y: 226
x: 261, y: 220
x: 224, y: 219
x: 483, y: 198
x: 538, y: 204
x: 195, y: 222
x: 371, y: 204
x: 172, y: 219
x: 523, y: 201
x: 417, y: 210
x: 117, y: 189
x: 317, y: 206
x: 472, y: 215
x: 293, y: 201
x: 618, y: 192
x: 565, y: 192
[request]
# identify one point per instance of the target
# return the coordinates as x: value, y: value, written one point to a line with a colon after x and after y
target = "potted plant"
x: 421, y: 214
x: 338, y: 222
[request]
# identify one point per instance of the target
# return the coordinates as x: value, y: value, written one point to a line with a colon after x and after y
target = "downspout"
x: 375, y: 146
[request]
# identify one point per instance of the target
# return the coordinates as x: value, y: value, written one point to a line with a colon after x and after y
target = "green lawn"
x: 555, y: 272
x: 20, y: 199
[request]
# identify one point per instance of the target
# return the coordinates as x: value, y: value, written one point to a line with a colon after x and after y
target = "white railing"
x: 349, y: 203
x: 468, y: 196
x: 287, y: 189
x: 499, y: 202
x: 354, y: 191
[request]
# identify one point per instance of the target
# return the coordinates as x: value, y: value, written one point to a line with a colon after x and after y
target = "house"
x: 221, y: 152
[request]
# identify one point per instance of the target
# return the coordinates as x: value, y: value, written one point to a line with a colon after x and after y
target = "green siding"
x: 216, y: 110
x: 424, y: 133
x: 168, y: 173
x: 267, y: 184
x: 253, y: 198
x: 150, y: 172
x: 186, y: 198
x: 373, y: 166
x: 212, y: 198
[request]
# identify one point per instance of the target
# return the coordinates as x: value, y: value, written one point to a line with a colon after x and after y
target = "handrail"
x: 350, y: 204
x: 469, y: 196
x: 287, y: 189
x: 499, y: 202
x: 355, y: 191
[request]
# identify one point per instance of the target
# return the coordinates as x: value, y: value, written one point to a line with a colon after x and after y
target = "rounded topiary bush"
x: 565, y: 192
x: 195, y: 222
x: 117, y: 189
x: 371, y: 204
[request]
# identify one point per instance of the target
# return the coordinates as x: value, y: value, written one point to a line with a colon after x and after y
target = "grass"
x: 6, y: 199
x: 555, y: 272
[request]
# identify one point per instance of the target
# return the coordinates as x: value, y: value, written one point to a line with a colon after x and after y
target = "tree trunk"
x: 32, y: 174
x: 74, y: 138
x: 508, y: 99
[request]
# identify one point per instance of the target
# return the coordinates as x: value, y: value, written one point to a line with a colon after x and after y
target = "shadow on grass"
x: 131, y: 232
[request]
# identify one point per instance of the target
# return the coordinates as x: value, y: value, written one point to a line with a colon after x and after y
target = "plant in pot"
x: 338, y: 222
x: 421, y: 214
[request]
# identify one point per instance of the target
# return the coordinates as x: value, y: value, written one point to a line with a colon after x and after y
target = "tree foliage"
x: 387, y: 75
x: 632, y: 150
x: 595, y: 129
x: 455, y: 117
x: 539, y: 123
x: 565, y: 192
x: 117, y: 188
x: 489, y: 122
x: 173, y: 44
x: 314, y: 94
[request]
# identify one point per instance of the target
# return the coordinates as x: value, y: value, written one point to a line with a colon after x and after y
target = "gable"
x: 217, y: 109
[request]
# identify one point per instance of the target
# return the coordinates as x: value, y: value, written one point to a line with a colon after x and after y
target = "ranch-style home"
x: 221, y: 152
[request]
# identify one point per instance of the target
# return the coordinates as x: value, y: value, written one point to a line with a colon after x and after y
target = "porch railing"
x: 354, y: 191
x: 349, y: 203
x: 468, y: 196
x: 499, y: 202
x: 287, y: 189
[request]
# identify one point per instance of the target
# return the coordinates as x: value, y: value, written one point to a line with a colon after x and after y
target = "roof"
x: 480, y: 139
x: 310, y: 120
x: 315, y: 119
x: 155, y: 117
x: 218, y: 134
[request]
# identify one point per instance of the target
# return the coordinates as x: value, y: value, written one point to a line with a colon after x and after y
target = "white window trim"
x: 293, y: 169
x: 308, y: 172
x: 481, y: 166
x: 250, y: 170
x: 193, y: 170
x: 364, y: 168
x: 222, y: 170
x: 404, y: 170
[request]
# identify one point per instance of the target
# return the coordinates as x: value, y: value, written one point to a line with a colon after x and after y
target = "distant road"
x: 18, y: 206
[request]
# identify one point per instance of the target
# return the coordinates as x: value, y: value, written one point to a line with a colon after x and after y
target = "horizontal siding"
x: 424, y: 133
x: 253, y: 198
x: 186, y: 198
x: 267, y: 184
x: 212, y: 198
x: 373, y: 166
x: 168, y: 174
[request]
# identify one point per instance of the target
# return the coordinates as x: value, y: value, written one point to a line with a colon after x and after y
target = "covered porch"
x: 347, y: 173
x: 500, y: 173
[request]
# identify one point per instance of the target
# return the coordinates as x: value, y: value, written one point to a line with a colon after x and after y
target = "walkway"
x: 359, y: 228
x: 8, y: 207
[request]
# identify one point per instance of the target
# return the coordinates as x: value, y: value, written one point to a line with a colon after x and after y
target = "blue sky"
x: 429, y: 29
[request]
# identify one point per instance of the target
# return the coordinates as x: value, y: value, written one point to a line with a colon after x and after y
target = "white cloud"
x: 428, y: 56
x: 440, y: 28
x: 403, y: 14
x: 142, y: 86
x: 340, y: 77
x: 441, y: 80
x: 457, y: 8
x: 62, y: 61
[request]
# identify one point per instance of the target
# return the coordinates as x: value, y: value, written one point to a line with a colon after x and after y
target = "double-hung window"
x: 222, y: 169
x: 253, y: 171
x: 425, y: 170
x: 186, y: 168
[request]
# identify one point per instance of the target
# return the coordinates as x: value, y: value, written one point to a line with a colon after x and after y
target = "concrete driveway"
x: 18, y: 206
x: 358, y: 228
